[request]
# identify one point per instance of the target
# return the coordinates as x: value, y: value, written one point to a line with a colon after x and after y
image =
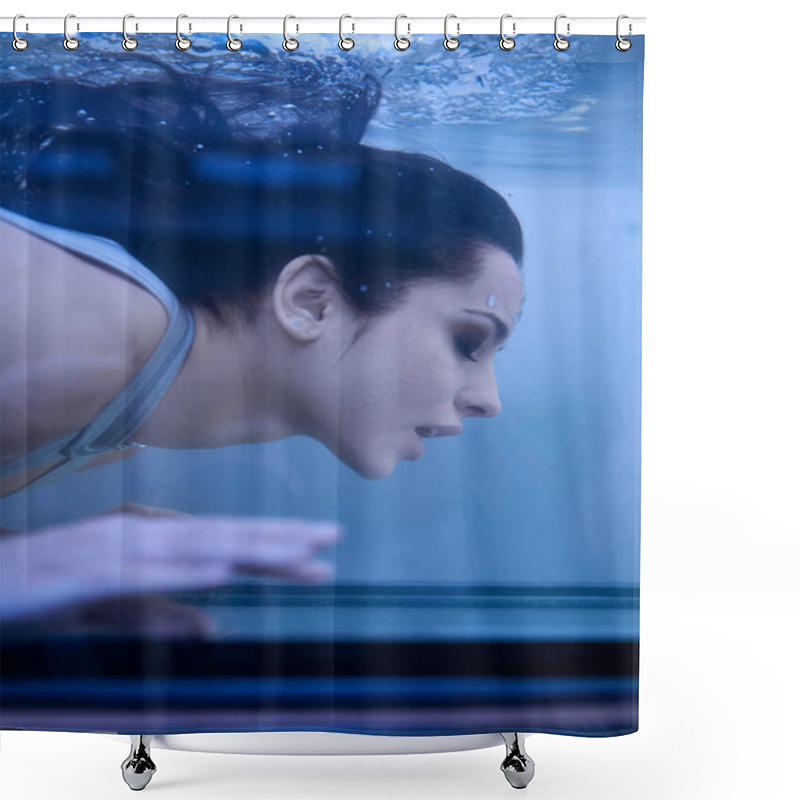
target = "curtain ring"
x: 561, y: 43
x: 506, y: 42
x: 70, y: 42
x: 233, y: 44
x: 400, y: 42
x: 182, y: 43
x: 622, y: 44
x: 345, y: 42
x: 127, y: 42
x: 290, y: 45
x: 19, y: 43
x: 450, y: 42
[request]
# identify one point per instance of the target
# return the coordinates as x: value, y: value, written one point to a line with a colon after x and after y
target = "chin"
x: 370, y: 466
x: 375, y: 470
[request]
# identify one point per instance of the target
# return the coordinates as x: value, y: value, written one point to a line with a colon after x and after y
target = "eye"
x: 469, y: 344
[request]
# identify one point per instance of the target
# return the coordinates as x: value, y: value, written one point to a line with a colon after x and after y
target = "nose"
x: 481, y: 397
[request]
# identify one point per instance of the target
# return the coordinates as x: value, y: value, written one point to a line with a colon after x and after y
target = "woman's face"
x: 419, y: 371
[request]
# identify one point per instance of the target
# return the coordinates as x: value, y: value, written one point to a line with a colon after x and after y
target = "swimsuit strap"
x: 117, y: 420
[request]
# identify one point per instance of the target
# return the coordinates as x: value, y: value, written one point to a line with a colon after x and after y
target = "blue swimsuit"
x: 117, y: 421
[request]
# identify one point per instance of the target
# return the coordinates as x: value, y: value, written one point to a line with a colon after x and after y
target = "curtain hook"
x: 346, y: 43
x: 182, y: 43
x: 561, y: 43
x: 233, y: 44
x: 507, y: 42
x: 290, y: 45
x: 19, y: 43
x: 400, y: 42
x: 70, y: 42
x: 450, y: 42
x: 623, y: 44
x: 127, y: 42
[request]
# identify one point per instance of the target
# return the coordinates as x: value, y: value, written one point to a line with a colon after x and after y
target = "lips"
x: 436, y: 431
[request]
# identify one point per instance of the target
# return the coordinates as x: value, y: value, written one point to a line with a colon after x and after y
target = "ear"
x: 305, y: 295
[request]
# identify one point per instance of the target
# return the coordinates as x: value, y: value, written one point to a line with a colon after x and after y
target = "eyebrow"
x: 500, y: 328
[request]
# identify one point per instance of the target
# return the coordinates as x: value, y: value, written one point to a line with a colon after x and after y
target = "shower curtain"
x: 320, y: 385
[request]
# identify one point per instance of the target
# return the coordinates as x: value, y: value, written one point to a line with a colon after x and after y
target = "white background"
x: 720, y: 608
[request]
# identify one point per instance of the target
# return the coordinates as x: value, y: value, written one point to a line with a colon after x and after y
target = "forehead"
x: 498, y: 288
x: 499, y: 285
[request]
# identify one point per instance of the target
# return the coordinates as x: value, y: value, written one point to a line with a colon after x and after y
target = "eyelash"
x: 467, y: 347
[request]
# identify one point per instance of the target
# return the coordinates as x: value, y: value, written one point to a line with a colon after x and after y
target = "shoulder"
x: 72, y: 334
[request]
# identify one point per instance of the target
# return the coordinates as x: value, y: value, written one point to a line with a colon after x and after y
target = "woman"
x: 337, y: 291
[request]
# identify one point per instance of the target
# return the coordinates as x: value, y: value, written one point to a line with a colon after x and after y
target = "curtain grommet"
x: 345, y: 42
x: 622, y: 44
x: 289, y: 44
x: 70, y: 42
x: 507, y: 42
x: 128, y: 42
x: 233, y: 44
x: 451, y: 42
x: 19, y: 44
x: 401, y: 42
x: 561, y: 44
x: 182, y: 42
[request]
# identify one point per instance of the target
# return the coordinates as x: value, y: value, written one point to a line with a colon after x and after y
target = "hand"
x: 139, y: 549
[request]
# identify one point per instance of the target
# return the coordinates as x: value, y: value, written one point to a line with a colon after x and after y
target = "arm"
x: 140, y: 550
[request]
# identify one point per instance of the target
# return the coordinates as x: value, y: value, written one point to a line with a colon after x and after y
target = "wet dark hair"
x: 154, y: 167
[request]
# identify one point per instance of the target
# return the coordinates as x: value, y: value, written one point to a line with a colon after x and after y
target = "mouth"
x: 435, y: 431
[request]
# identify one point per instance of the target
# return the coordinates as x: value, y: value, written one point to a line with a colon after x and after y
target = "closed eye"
x: 468, y: 348
x: 469, y: 344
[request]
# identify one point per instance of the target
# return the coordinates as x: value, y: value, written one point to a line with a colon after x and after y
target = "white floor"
x: 719, y: 702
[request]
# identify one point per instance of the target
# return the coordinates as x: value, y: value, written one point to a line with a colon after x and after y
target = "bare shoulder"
x: 72, y: 334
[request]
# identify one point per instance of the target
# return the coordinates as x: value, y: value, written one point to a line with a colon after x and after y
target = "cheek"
x: 428, y: 369
x: 399, y: 368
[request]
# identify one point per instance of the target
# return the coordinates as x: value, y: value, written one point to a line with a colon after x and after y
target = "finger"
x: 228, y: 538
x: 173, y: 577
x: 153, y: 511
x: 130, y: 507
x: 300, y: 570
x: 314, y: 571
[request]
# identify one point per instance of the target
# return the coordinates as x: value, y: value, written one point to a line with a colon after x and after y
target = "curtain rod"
x: 299, y: 24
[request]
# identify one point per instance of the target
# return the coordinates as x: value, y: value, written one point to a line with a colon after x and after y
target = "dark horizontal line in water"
x: 112, y: 658
x: 417, y: 595
x: 271, y: 693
